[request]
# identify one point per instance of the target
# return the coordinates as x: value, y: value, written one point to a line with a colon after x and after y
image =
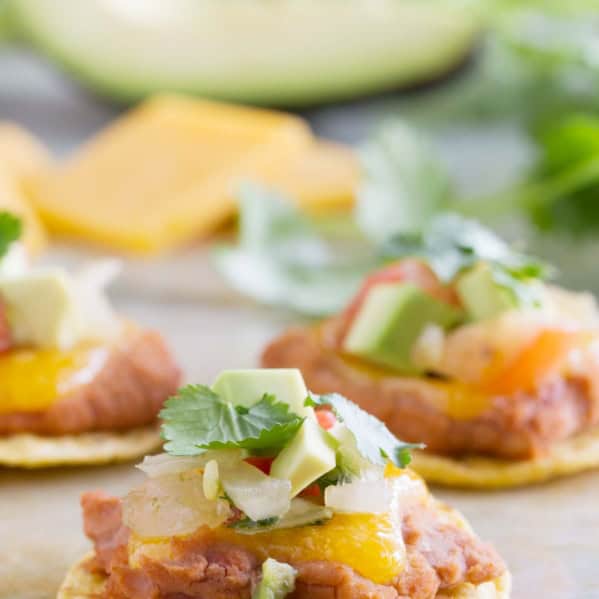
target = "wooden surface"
x: 548, y: 534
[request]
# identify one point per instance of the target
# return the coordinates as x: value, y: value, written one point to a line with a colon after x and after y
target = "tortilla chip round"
x: 33, y: 451
x: 571, y: 456
x: 80, y: 583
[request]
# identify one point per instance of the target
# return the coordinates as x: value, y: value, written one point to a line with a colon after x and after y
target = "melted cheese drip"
x: 32, y: 379
x: 371, y: 544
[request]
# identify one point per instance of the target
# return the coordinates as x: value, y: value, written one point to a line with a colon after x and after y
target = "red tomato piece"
x: 311, y: 491
x: 262, y: 463
x: 326, y: 419
x: 409, y: 270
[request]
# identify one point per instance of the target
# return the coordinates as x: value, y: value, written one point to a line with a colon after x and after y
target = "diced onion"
x: 427, y: 351
x: 374, y: 496
x: 172, y: 505
x: 360, y: 497
x: 211, y: 480
x: 164, y: 463
x: 257, y: 495
x: 301, y: 513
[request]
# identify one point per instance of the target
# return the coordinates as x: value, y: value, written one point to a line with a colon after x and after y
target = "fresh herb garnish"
x: 374, y: 441
x: 453, y: 244
x: 10, y: 230
x: 197, y: 419
x: 249, y: 524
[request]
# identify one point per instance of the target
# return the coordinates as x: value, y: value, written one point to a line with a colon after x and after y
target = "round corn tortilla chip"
x: 33, y: 451
x: 79, y: 583
x: 567, y: 457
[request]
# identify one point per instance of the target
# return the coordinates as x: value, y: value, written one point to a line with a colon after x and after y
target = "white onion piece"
x: 164, y: 463
x: 257, y: 495
x: 301, y: 513
x: 360, y: 497
x: 15, y: 262
x: 172, y: 505
x: 211, y: 480
x: 98, y: 317
x: 373, y: 496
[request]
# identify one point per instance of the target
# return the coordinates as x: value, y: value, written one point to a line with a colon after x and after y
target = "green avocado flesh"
x: 481, y: 296
x: 391, y: 319
x: 247, y: 387
x: 283, y: 53
x: 278, y: 580
x: 310, y: 454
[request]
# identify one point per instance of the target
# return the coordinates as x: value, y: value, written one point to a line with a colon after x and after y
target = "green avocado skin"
x: 292, y: 54
x: 391, y: 320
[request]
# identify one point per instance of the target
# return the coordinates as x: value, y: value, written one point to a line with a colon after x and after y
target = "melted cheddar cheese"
x: 32, y: 379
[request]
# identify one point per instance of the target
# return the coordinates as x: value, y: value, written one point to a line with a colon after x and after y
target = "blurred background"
x: 388, y: 113
x: 488, y: 108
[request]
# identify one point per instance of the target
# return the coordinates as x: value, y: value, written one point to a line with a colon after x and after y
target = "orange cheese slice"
x: 166, y: 172
x: 21, y: 155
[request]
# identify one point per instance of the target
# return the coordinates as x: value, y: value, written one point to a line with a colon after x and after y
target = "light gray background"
x: 548, y: 534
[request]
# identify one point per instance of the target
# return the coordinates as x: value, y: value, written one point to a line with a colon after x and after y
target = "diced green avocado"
x: 282, y: 53
x: 309, y: 455
x: 41, y: 309
x: 247, y: 387
x: 481, y: 296
x: 278, y: 580
x: 391, y: 319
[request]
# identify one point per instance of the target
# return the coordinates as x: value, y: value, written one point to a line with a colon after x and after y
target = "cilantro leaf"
x: 283, y: 259
x: 453, y: 244
x: 10, y: 230
x: 197, y: 419
x: 405, y: 183
x: 249, y: 524
x: 374, y: 440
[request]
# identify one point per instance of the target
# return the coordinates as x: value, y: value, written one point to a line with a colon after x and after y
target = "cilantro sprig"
x: 197, y: 419
x: 452, y: 244
x: 374, y: 441
x: 10, y: 230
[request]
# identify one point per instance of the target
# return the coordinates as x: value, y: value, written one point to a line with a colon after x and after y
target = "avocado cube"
x: 481, y: 296
x: 309, y: 455
x: 42, y: 309
x: 278, y: 580
x: 247, y: 387
x: 390, y: 321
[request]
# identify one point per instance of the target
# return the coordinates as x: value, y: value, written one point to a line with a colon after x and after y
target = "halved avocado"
x: 283, y: 53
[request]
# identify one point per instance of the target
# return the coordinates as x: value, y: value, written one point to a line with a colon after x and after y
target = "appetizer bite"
x: 268, y: 491
x: 459, y: 343
x: 77, y: 383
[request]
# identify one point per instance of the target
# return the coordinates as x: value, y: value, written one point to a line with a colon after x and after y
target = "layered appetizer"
x: 460, y: 343
x: 78, y: 384
x: 268, y: 491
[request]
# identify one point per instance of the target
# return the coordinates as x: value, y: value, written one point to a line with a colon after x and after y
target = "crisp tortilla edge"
x: 571, y: 456
x: 31, y: 451
x: 79, y: 583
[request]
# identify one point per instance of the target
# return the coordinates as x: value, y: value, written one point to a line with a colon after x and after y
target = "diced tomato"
x: 326, y: 419
x: 5, y: 334
x: 311, y: 491
x: 409, y: 270
x: 262, y: 463
x: 544, y: 355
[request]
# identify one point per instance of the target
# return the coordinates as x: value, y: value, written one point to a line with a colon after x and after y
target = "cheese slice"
x: 167, y: 172
x: 163, y: 173
x: 21, y: 155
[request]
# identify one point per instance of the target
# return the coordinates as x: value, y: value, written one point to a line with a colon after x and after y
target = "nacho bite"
x: 78, y: 385
x: 267, y: 491
x: 459, y: 343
